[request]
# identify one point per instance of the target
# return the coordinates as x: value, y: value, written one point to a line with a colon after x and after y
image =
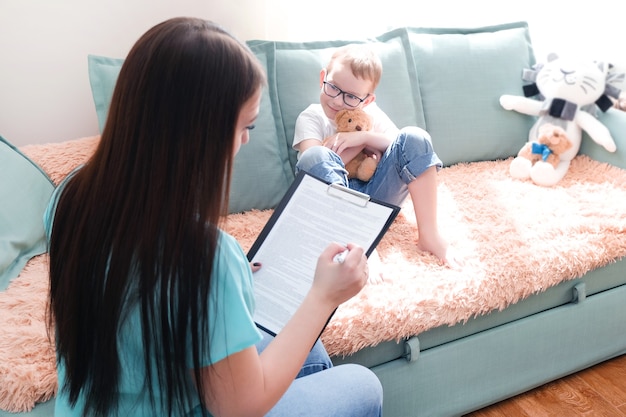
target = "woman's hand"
x: 264, y: 378
x: 336, y: 282
x: 255, y: 266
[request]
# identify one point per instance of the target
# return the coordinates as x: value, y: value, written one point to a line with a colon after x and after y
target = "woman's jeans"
x: 404, y: 160
x: 321, y: 390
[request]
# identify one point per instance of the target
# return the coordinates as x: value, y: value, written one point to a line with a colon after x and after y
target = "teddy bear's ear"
x: 340, y: 114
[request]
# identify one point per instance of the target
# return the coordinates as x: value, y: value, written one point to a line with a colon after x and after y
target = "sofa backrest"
x: 445, y: 80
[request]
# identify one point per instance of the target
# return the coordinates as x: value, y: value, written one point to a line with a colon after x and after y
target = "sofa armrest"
x: 615, y: 121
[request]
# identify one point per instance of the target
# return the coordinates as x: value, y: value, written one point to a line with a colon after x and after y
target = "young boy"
x: 407, y: 161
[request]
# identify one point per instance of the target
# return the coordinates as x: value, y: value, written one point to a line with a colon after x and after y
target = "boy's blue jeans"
x: 345, y: 390
x: 404, y: 160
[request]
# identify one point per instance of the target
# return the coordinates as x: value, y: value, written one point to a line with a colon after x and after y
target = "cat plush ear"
x: 616, y: 76
x: 615, y: 82
x: 530, y: 75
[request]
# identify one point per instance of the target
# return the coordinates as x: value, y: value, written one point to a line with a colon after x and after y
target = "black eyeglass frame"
x: 343, y: 93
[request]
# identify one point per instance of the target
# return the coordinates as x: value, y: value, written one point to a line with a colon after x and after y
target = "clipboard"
x: 310, y: 216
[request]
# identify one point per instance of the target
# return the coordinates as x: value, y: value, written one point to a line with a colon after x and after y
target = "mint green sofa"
x: 447, y: 81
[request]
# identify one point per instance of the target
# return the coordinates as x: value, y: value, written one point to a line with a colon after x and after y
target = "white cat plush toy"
x: 568, y: 92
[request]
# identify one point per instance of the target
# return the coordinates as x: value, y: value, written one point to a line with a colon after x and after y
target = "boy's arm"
x: 309, y: 129
x: 346, y: 154
x: 347, y: 145
x: 351, y: 143
x: 384, y: 131
x: 306, y: 144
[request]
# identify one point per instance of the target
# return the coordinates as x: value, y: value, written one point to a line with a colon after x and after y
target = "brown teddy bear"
x: 551, y: 142
x: 363, y: 165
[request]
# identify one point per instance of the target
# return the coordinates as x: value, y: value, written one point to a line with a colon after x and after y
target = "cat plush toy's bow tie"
x: 541, y: 149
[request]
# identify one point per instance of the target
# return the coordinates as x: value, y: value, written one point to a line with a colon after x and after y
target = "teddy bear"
x: 551, y: 143
x: 568, y: 93
x: 363, y: 165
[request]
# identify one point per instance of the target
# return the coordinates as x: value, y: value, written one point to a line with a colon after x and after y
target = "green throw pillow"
x: 25, y: 191
x: 103, y: 72
x: 462, y: 74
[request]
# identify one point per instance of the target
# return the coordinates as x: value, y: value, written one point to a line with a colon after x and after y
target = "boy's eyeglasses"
x: 333, y: 91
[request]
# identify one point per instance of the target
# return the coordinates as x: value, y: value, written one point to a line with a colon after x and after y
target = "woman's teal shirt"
x: 231, y: 327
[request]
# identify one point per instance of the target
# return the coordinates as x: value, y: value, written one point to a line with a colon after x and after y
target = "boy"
x: 407, y: 161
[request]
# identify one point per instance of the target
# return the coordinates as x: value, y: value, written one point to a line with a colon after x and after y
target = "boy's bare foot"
x: 375, y: 268
x: 442, y: 250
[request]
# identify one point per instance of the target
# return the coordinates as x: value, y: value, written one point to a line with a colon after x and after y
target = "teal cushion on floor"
x: 25, y: 191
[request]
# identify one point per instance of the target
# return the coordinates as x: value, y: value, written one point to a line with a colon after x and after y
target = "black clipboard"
x: 296, y: 233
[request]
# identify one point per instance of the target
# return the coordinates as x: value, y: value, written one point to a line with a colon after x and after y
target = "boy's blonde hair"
x: 361, y: 59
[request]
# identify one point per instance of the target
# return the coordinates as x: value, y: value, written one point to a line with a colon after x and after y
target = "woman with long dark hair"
x: 151, y: 302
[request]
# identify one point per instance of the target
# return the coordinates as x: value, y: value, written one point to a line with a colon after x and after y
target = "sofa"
x: 542, y: 293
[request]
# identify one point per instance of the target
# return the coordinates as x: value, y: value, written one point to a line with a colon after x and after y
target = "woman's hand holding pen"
x: 340, y: 274
x: 255, y: 266
x: 337, y: 281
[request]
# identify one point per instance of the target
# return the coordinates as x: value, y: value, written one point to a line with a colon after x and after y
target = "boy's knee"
x: 316, y: 153
x: 417, y: 137
x: 314, y: 156
x: 415, y: 141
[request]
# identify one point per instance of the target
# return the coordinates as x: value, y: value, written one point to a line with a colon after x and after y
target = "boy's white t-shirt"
x: 313, y: 123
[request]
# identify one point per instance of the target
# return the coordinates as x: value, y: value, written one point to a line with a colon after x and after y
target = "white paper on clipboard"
x: 311, y: 216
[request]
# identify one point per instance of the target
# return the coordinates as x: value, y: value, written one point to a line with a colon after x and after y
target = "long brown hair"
x: 137, y: 225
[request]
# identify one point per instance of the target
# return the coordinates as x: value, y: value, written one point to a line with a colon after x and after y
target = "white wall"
x: 44, y: 86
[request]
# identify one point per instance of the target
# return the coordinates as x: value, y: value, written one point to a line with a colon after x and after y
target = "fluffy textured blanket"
x: 517, y: 238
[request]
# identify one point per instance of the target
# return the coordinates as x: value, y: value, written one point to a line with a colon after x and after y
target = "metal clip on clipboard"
x: 355, y: 197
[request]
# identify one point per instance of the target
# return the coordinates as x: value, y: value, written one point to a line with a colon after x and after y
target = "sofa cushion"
x: 462, y: 73
x: 262, y: 172
x: 103, y: 72
x: 445, y: 80
x: 26, y: 190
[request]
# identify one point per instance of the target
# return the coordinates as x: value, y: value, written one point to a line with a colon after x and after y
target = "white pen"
x: 340, y: 257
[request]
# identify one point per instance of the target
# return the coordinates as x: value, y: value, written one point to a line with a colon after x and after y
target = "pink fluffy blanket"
x: 517, y: 239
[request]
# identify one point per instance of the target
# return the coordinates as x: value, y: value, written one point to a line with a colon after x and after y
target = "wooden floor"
x: 597, y: 391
